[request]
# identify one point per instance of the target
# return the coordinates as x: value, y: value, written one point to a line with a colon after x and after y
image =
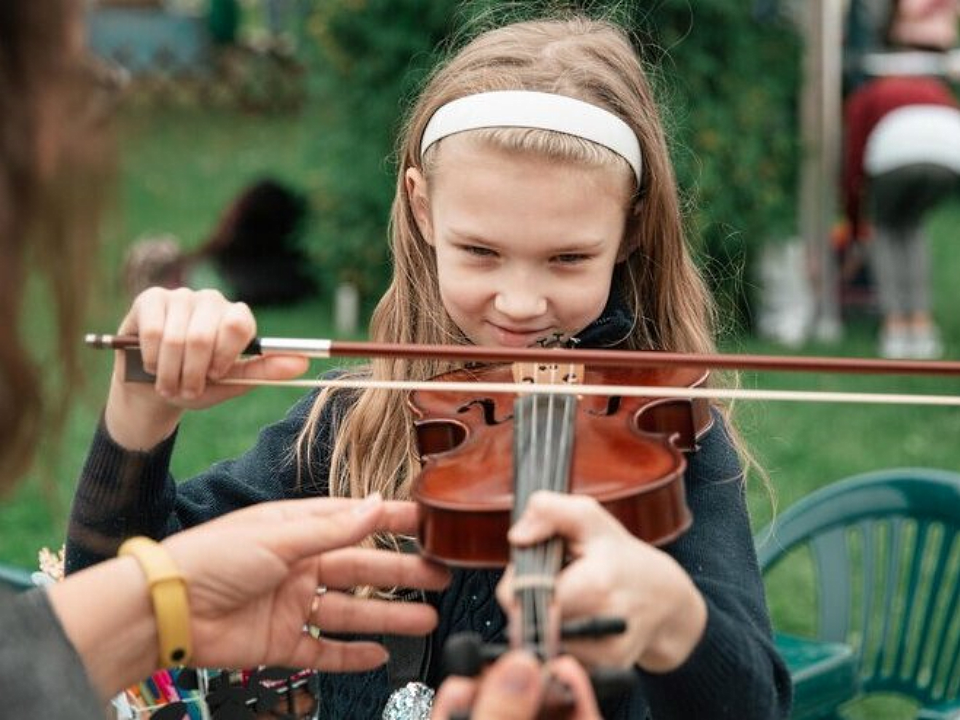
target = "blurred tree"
x: 727, y: 84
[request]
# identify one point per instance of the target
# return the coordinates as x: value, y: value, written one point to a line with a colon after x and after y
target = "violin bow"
x: 327, y: 348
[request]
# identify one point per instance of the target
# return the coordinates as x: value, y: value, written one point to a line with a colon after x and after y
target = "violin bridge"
x: 541, y: 373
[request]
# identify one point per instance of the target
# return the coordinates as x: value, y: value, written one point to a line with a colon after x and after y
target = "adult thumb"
x: 510, y: 689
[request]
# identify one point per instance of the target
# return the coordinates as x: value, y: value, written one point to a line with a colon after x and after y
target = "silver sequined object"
x: 413, y: 701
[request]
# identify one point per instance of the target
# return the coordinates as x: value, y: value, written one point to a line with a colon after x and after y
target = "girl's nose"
x: 520, y: 301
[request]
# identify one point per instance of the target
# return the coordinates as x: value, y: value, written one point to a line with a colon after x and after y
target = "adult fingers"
x: 336, y: 612
x: 568, y: 670
x: 292, y: 511
x: 455, y: 696
x: 333, y: 655
x: 510, y: 689
x: 350, y: 567
x: 310, y: 527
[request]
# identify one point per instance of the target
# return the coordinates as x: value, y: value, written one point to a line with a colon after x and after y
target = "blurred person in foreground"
x: 67, y: 649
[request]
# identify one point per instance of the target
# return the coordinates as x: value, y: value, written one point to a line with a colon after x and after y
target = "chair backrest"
x: 886, y: 552
x: 15, y: 578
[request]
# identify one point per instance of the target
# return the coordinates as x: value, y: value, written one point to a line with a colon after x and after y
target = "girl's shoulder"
x: 716, y: 459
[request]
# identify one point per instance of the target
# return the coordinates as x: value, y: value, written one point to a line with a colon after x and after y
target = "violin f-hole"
x: 489, y: 408
x: 612, y: 407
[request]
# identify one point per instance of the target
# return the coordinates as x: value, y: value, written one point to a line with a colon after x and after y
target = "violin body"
x: 628, y: 455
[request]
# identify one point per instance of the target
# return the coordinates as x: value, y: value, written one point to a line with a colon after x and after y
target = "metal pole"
x: 821, y: 127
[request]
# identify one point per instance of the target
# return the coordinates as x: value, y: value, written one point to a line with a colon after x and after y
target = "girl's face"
x: 525, y: 245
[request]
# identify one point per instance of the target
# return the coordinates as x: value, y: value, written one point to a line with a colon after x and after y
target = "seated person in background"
x: 901, y: 158
x: 253, y: 255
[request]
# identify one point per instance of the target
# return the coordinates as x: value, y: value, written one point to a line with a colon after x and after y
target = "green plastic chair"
x: 886, y: 553
x: 15, y: 578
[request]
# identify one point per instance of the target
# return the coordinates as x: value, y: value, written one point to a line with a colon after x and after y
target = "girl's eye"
x: 477, y: 250
x: 571, y: 258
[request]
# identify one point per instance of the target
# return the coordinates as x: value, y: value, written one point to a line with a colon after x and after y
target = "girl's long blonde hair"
x: 592, y: 60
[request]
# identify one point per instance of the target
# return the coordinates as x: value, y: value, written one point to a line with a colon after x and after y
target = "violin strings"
x: 543, y: 445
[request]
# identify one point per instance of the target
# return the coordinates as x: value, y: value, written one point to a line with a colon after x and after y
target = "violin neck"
x: 542, y: 458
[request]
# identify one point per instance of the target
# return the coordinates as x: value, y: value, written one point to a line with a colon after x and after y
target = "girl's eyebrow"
x: 561, y: 247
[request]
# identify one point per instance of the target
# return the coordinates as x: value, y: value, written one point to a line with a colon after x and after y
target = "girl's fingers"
x: 146, y: 319
x: 549, y: 514
x: 268, y: 367
x: 337, y: 612
x: 236, y: 328
x: 201, y: 340
x: 173, y: 344
x: 576, y: 518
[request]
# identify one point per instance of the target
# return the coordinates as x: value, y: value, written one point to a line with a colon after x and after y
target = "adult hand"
x: 512, y: 689
x: 188, y: 339
x: 614, y: 574
x: 252, y: 578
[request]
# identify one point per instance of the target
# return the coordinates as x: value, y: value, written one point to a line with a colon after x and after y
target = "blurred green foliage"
x: 727, y: 83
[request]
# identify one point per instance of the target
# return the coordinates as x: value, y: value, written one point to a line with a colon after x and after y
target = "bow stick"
x: 325, y: 348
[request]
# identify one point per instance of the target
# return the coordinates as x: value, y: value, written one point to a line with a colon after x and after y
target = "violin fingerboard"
x: 542, y: 458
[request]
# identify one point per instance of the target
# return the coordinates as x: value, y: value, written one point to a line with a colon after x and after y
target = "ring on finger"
x: 313, y: 629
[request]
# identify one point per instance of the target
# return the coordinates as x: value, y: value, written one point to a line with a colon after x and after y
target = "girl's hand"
x: 614, y: 574
x: 252, y: 579
x: 511, y: 689
x: 187, y: 339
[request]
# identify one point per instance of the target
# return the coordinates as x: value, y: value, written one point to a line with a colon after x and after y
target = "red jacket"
x: 865, y: 107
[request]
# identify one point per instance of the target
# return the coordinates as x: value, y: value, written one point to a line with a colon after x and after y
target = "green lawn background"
x: 180, y: 167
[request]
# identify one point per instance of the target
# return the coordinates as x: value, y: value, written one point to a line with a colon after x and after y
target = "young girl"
x: 534, y: 196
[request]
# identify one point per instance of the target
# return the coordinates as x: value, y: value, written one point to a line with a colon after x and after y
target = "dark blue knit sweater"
x: 734, y: 672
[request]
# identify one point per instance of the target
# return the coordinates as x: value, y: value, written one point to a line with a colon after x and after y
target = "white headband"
x: 528, y: 109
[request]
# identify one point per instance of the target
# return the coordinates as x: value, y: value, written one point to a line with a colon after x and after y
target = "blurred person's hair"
x: 53, y: 150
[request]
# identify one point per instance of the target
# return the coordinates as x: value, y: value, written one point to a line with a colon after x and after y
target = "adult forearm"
x: 106, y: 612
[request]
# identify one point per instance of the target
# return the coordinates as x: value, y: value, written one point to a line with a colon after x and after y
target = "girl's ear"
x: 416, y: 186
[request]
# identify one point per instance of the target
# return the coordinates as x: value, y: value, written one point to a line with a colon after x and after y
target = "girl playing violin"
x: 535, y: 197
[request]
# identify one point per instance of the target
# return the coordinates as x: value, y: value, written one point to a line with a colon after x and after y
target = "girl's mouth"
x: 518, y: 337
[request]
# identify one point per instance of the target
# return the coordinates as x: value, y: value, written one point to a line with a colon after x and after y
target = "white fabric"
x: 528, y: 109
x: 914, y: 134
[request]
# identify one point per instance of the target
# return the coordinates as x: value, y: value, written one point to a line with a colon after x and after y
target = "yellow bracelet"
x: 168, y: 591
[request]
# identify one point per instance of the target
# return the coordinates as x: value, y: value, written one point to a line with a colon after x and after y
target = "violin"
x: 627, y: 454
x: 483, y: 456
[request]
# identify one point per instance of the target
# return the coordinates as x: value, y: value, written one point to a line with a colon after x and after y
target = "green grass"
x: 180, y: 169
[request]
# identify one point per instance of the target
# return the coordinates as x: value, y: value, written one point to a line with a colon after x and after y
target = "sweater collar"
x: 610, y: 329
